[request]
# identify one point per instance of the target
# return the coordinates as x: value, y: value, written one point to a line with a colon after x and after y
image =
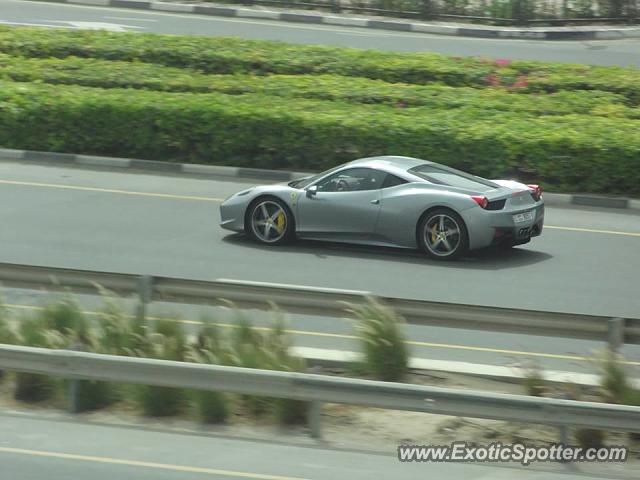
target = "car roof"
x: 390, y: 163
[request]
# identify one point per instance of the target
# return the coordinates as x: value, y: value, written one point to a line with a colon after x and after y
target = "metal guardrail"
x: 319, y: 389
x: 322, y: 302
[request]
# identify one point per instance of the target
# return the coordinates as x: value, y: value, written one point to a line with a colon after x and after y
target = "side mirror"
x: 311, y: 191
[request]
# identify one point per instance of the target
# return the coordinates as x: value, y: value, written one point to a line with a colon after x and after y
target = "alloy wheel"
x: 269, y: 221
x: 442, y: 235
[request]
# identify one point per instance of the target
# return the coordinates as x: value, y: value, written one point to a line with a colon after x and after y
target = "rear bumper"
x: 491, y: 227
x: 517, y: 235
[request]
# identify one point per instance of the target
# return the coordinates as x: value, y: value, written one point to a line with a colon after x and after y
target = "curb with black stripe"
x: 218, y: 171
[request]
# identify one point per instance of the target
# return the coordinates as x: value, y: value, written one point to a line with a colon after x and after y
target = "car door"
x: 345, y: 205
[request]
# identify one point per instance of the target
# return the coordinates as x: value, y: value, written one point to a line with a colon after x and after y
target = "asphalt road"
x: 585, y: 262
x: 18, y: 12
x: 33, y: 448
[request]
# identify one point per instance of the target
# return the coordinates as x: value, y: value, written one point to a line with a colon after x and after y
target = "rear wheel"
x: 443, y: 235
x: 269, y: 221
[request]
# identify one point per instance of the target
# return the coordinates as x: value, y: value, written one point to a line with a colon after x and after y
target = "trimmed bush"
x: 382, y: 341
x: 115, y: 74
x: 573, y: 152
x: 233, y: 55
x: 274, y: 105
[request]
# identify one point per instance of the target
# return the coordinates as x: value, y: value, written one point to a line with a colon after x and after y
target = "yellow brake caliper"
x: 433, y: 233
x: 280, y: 222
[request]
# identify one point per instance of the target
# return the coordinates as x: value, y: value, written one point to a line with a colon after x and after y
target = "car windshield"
x: 442, y: 175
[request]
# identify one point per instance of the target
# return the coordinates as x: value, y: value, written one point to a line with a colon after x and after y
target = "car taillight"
x: 536, y: 191
x: 480, y: 200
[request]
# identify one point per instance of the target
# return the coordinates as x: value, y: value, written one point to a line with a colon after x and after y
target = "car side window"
x: 352, y: 180
x: 392, y: 181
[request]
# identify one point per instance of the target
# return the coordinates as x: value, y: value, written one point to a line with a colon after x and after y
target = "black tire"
x: 279, y: 228
x: 442, y: 243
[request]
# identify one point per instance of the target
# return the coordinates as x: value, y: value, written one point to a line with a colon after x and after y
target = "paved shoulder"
x: 58, y: 450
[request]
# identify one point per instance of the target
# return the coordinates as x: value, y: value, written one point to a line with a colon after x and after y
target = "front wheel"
x: 269, y: 221
x: 443, y: 235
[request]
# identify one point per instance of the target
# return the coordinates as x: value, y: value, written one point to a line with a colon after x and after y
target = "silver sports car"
x: 392, y: 201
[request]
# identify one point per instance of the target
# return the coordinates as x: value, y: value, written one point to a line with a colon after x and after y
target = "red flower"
x: 493, y: 80
x: 521, y: 82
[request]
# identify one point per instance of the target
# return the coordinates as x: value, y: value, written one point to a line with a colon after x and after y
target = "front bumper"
x: 232, y: 215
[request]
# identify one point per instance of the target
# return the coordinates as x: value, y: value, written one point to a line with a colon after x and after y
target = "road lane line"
x: 593, y: 230
x: 151, y: 465
x: 218, y: 200
x: 523, y: 353
x: 111, y: 190
x: 132, y: 19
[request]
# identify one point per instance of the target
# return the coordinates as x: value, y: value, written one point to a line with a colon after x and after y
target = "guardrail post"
x: 145, y: 291
x: 564, y: 435
x: 74, y: 384
x: 73, y: 396
x: 313, y: 415
x: 615, y: 333
x: 563, y: 429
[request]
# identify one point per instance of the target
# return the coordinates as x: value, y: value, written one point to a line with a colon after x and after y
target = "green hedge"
x: 576, y: 152
x: 119, y: 74
x: 232, y: 55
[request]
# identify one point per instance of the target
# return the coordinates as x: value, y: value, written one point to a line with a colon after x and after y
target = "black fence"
x: 494, y: 12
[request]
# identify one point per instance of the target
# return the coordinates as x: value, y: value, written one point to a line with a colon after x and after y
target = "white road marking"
x: 111, y: 27
x: 130, y: 19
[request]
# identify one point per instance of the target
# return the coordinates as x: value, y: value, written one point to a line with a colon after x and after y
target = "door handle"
x: 375, y: 202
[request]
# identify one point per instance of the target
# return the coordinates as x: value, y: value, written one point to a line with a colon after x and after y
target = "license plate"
x: 524, y: 232
x: 523, y: 217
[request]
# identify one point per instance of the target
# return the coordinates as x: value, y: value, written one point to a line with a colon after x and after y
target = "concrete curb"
x: 217, y: 171
x: 513, y: 374
x: 214, y: 171
x: 384, y: 23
